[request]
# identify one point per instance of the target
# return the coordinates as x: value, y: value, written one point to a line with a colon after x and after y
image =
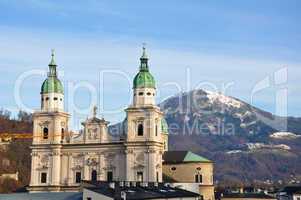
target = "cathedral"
x: 139, y: 153
x: 60, y: 161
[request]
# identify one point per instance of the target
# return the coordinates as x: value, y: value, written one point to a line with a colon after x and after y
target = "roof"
x: 295, y: 189
x: 182, y: 157
x: 52, y: 85
x: 144, y: 79
x: 43, y: 195
x: 248, y: 195
x: 164, y: 126
x: 151, y: 191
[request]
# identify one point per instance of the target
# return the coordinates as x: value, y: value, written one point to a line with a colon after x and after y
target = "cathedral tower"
x: 144, y: 137
x: 50, y: 131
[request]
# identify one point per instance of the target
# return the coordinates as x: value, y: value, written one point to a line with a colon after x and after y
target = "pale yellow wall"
x: 185, y: 172
x: 207, y: 192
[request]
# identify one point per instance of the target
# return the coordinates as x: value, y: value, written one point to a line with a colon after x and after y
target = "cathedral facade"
x: 60, y: 161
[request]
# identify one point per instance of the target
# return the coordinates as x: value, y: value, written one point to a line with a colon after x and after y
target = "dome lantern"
x: 144, y: 79
x: 52, y: 84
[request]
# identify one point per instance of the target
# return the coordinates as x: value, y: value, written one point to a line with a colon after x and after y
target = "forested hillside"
x: 15, y: 157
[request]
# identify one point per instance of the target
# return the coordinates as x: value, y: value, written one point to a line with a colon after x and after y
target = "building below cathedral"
x: 61, y: 161
x: 187, y: 167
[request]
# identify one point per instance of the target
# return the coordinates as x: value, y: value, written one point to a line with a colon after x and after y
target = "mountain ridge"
x: 198, y: 121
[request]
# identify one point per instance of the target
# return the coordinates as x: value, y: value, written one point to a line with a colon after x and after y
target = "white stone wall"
x: 144, y: 96
x: 52, y: 102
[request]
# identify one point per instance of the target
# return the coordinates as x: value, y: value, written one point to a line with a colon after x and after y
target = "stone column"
x: 129, y: 164
x: 159, y: 164
x: 86, y: 168
x: 56, y: 166
x: 99, y: 168
x: 34, y: 175
x: 70, y: 170
x: 64, y: 168
x: 151, y: 165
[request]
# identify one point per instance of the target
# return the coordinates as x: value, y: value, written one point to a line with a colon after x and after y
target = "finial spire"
x: 52, y: 62
x: 144, y: 51
x: 52, y: 65
x: 143, y: 59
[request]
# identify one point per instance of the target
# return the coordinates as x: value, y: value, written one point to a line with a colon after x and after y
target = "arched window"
x: 78, y: 177
x: 45, y: 133
x: 94, y: 175
x: 140, y: 129
x: 140, y: 176
x: 43, y: 177
x: 198, y: 178
x: 63, y: 133
x: 156, y: 130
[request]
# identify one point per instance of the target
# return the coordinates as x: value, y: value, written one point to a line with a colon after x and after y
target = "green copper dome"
x: 52, y: 84
x: 144, y: 79
x: 164, y: 126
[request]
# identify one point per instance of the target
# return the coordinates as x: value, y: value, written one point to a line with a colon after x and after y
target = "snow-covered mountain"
x: 204, y: 112
x: 242, y: 140
x: 246, y: 143
x: 284, y: 135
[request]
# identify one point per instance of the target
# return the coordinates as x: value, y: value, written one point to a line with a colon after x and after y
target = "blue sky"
x: 237, y: 43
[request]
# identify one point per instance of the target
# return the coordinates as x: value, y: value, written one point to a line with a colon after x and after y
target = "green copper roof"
x: 164, y: 126
x: 192, y: 157
x: 144, y: 79
x: 52, y: 84
x: 172, y: 157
